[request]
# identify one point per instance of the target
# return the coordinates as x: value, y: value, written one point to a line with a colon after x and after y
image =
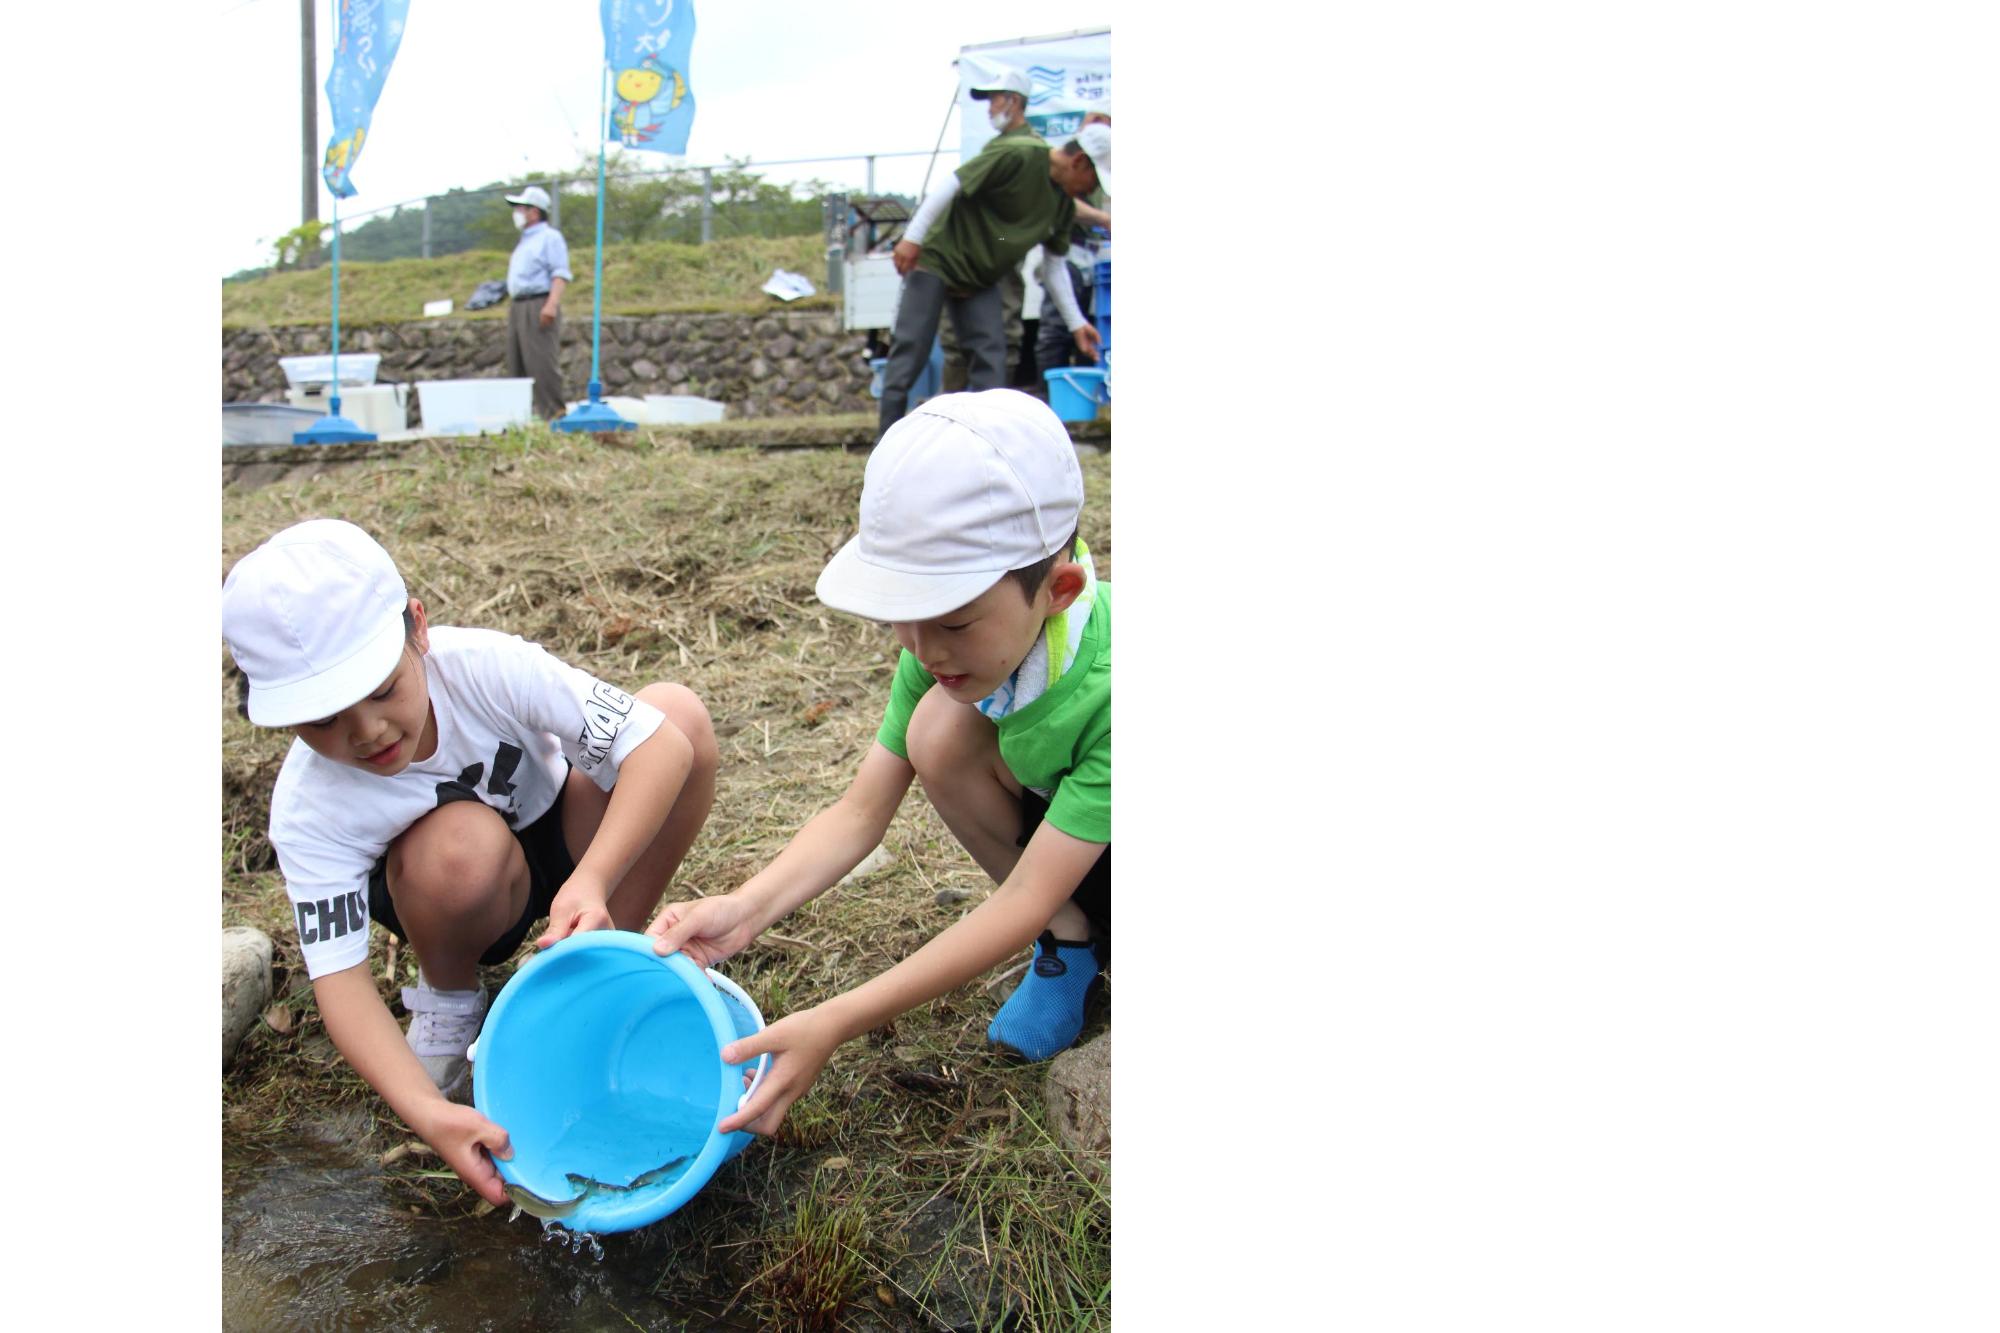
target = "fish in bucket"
x: 603, y: 1062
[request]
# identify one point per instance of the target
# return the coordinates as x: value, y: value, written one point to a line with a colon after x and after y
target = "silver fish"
x: 527, y: 1201
x: 639, y: 1182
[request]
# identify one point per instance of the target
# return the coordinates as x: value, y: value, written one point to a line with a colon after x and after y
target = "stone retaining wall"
x: 779, y: 364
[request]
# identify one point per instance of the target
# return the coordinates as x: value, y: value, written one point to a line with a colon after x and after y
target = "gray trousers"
x: 925, y: 301
x: 531, y: 353
x: 1013, y: 291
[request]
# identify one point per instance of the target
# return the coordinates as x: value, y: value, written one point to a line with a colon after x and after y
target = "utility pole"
x: 309, y: 116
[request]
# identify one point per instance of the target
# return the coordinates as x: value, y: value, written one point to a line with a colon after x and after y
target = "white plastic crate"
x: 473, y: 407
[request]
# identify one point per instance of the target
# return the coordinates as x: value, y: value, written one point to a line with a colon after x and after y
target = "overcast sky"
x: 483, y: 89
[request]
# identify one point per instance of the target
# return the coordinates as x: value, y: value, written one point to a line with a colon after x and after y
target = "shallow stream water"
x: 315, y: 1235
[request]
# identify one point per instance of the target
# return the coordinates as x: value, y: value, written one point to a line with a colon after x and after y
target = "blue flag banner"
x: 368, y: 34
x: 646, y: 45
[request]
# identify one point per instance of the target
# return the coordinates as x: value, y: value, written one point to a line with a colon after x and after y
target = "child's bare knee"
x: 456, y: 863
x: 685, y: 710
x: 945, y: 737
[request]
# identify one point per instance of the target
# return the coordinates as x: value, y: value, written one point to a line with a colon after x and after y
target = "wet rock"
x: 246, y: 985
x: 1077, y: 1092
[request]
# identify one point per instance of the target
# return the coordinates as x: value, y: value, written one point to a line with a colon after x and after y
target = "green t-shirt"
x: 1006, y: 206
x: 1060, y: 743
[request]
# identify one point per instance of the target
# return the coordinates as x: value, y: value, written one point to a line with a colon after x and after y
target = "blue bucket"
x: 1075, y: 392
x: 930, y: 380
x: 603, y: 1062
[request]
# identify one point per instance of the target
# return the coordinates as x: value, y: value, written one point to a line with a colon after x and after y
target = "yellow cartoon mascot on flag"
x: 637, y: 88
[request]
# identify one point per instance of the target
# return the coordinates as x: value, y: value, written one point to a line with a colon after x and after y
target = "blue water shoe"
x: 1047, y: 1010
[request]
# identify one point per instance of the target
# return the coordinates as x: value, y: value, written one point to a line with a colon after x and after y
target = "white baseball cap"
x: 1095, y: 141
x: 314, y: 619
x: 1006, y: 81
x: 965, y: 488
x: 534, y: 195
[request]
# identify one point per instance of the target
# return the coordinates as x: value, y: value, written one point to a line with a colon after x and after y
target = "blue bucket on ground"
x: 1076, y: 392
x: 603, y: 1062
x: 930, y: 380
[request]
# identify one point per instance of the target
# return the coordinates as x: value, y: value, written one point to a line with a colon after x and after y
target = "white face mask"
x: 520, y: 219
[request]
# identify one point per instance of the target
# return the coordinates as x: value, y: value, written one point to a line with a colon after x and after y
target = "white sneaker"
x: 442, y: 1025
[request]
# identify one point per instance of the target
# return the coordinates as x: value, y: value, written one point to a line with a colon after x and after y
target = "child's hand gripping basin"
x: 603, y: 1062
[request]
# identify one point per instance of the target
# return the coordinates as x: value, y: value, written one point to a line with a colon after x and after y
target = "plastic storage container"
x: 264, y: 423
x: 1076, y: 392
x: 603, y: 1061
x: 1100, y: 309
x: 380, y: 408
x: 471, y: 407
x: 683, y: 409
x: 355, y: 368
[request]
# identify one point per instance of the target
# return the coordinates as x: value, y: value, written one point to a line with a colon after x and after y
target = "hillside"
x: 644, y: 278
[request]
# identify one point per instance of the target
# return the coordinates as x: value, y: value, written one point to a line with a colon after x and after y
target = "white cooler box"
x: 473, y: 407
x: 380, y: 408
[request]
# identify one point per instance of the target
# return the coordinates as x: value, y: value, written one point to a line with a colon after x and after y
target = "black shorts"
x: 549, y: 867
x: 1094, y: 894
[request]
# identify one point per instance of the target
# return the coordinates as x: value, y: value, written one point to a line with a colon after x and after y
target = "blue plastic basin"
x: 603, y: 1062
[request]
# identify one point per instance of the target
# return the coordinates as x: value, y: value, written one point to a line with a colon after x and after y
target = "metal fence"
x: 693, y: 204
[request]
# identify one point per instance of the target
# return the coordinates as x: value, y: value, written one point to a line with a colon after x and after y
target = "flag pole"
x: 334, y: 428
x: 596, y: 414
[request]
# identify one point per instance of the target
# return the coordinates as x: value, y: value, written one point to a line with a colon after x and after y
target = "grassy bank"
x: 661, y: 562
x: 651, y: 278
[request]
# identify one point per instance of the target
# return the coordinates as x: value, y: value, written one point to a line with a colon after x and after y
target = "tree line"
x: 640, y: 205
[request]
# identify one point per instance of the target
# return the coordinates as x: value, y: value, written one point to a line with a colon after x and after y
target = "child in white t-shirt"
x: 456, y: 785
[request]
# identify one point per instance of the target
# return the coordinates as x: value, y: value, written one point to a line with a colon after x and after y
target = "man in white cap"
x: 1014, y: 194
x: 1001, y: 703
x: 1053, y: 346
x: 1006, y: 98
x: 537, y: 273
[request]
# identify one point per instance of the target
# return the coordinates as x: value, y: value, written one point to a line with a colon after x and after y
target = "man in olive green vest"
x: 1014, y: 194
x: 1006, y: 99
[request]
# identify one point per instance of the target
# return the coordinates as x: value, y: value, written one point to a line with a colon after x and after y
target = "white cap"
x: 1095, y: 141
x: 314, y: 619
x: 534, y: 195
x: 965, y: 488
x: 1006, y: 81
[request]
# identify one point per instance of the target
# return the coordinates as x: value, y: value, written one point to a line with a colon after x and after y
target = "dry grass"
x: 664, y: 562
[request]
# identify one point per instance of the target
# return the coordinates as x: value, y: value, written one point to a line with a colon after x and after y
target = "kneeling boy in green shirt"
x: 1001, y: 703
